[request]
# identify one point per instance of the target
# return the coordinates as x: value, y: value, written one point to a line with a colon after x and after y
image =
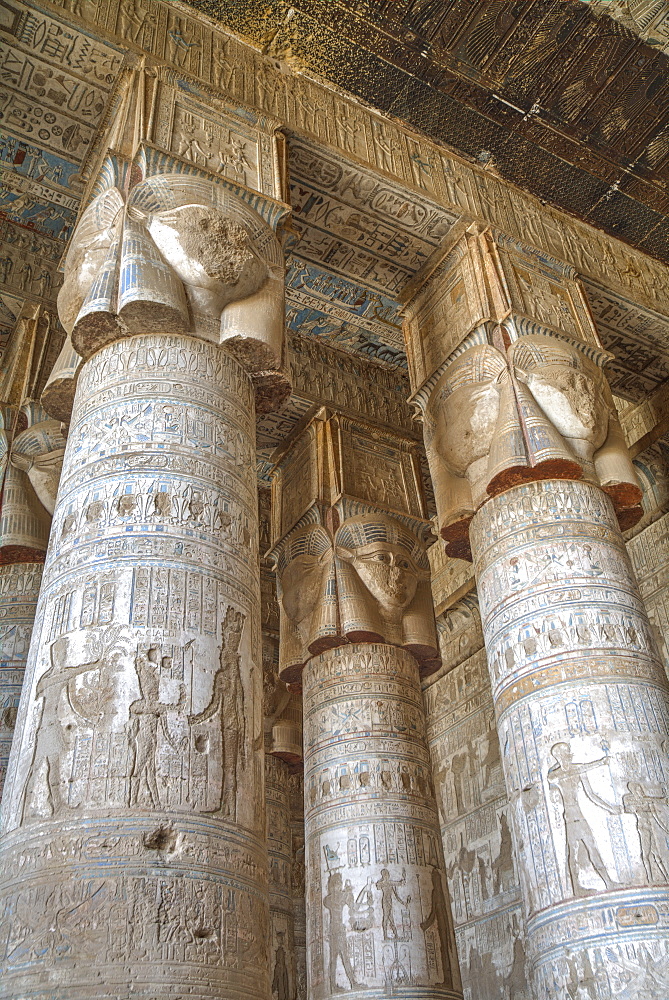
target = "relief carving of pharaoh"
x: 307, y: 594
x: 539, y: 409
x: 179, y: 254
x: 383, y: 584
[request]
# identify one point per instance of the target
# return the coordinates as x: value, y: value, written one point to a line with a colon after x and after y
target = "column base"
x: 621, y: 934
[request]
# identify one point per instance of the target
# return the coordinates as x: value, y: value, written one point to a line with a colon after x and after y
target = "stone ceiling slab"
x: 571, y: 106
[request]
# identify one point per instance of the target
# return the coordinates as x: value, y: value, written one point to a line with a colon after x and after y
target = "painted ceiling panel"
x: 561, y: 100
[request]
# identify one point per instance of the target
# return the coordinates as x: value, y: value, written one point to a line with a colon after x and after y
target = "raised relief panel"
x: 375, y: 467
x: 237, y: 147
x: 454, y: 305
x: 545, y: 291
x: 301, y: 479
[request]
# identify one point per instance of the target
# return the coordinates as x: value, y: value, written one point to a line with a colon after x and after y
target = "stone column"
x: 583, y: 716
x: 279, y: 843
x: 297, y: 880
x: 33, y: 451
x: 357, y: 627
x: 526, y: 450
x: 133, y: 852
x: 377, y: 901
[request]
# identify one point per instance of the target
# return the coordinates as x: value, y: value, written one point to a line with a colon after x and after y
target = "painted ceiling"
x: 568, y: 104
x: 357, y: 237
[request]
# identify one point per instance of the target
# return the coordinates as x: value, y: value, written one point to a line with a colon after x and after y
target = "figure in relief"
x: 182, y: 42
x: 227, y: 706
x: 133, y: 17
x: 147, y: 713
x: 438, y: 916
x: 504, y: 874
x: 280, y: 979
x: 652, y: 820
x: 55, y: 731
x: 567, y: 778
x: 338, y: 896
x: 388, y: 888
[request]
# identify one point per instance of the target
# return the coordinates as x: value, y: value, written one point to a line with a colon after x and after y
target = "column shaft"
x: 297, y: 883
x: 19, y: 590
x: 279, y: 837
x: 583, y: 715
x: 134, y: 853
x: 377, y: 904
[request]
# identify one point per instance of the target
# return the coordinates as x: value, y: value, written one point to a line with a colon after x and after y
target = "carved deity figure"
x: 305, y: 578
x: 652, y: 818
x: 133, y: 17
x: 227, y: 706
x: 147, y: 714
x: 567, y: 778
x: 383, y: 585
x: 339, y: 896
x: 61, y: 703
x: 202, y: 261
x: 498, y: 416
x: 388, y: 888
x: 280, y: 978
x: 438, y: 916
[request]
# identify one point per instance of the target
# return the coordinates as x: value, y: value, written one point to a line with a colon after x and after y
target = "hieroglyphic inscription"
x: 145, y: 680
x: 224, y: 62
x: 583, y: 714
x: 19, y: 589
x: 377, y: 903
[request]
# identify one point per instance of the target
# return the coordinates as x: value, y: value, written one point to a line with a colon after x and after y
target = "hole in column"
x: 164, y: 838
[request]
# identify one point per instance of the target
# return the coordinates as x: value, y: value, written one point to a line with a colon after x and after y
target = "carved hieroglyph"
x: 296, y: 787
x: 377, y: 900
x: 283, y: 972
x: 582, y: 709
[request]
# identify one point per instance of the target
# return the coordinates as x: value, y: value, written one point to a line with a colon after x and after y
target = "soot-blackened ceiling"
x: 566, y: 103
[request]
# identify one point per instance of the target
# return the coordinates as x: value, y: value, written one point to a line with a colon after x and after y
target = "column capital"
x: 507, y: 371
x: 349, y: 540
x: 32, y: 446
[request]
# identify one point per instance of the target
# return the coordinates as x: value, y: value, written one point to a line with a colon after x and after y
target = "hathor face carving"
x: 300, y: 590
x: 387, y: 573
x: 386, y: 558
x: 300, y: 570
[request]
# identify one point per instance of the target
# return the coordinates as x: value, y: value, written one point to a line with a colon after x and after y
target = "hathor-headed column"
x: 526, y: 452
x: 136, y: 785
x: 357, y: 630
